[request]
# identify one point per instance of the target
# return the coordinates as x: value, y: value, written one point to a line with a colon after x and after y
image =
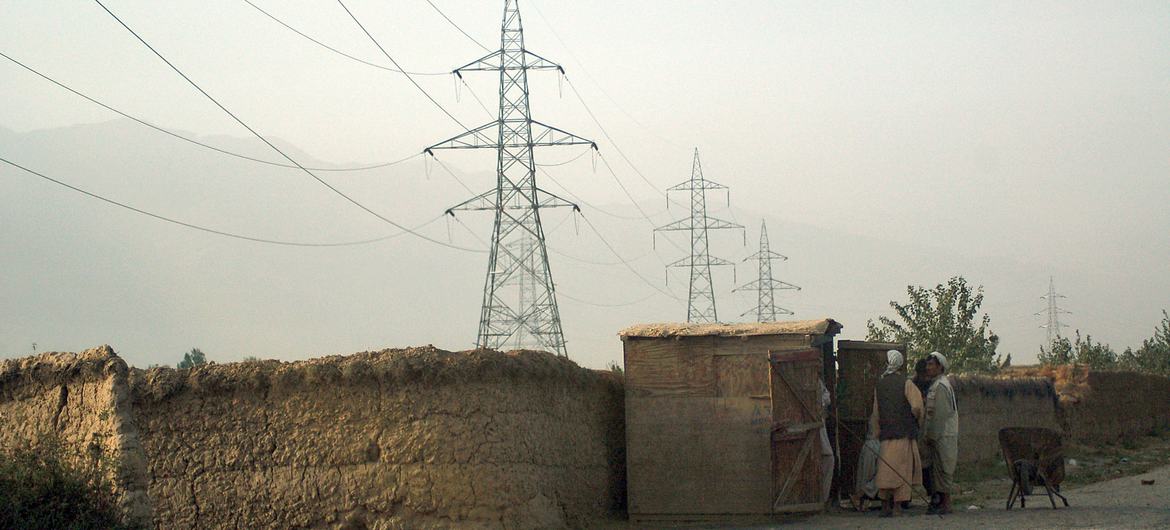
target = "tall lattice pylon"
x: 519, y: 296
x: 1053, y: 313
x: 766, y: 286
x: 701, y: 302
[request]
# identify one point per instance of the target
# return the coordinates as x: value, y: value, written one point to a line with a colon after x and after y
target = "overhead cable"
x: 626, y: 262
x: 277, y: 149
x: 601, y: 87
x: 335, y: 50
x: 192, y: 140
x: 456, y: 26
x: 203, y: 228
x: 405, y: 73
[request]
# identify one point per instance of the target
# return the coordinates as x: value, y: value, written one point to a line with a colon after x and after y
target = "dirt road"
x: 1117, y: 503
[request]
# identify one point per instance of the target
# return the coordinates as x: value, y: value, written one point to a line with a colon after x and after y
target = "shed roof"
x: 824, y: 326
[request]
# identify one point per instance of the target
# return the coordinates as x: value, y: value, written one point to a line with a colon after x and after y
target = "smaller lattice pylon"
x: 766, y: 285
x: 1053, y: 313
x: 701, y: 299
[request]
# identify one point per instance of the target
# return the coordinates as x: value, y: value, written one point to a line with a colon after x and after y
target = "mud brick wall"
x: 1117, y: 406
x: 79, y: 402
x: 988, y: 404
x: 392, y: 439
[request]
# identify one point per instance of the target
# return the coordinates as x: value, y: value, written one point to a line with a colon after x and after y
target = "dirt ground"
x: 1104, y: 489
x: 1117, y: 503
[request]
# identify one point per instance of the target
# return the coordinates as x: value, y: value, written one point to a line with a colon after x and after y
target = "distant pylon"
x: 519, y: 296
x: 766, y: 285
x: 701, y: 302
x: 1053, y: 312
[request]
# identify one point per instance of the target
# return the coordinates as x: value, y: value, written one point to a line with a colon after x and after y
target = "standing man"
x: 897, y: 416
x: 941, y: 434
x: 922, y: 381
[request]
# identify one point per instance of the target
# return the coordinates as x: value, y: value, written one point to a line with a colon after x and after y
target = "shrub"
x: 40, y: 489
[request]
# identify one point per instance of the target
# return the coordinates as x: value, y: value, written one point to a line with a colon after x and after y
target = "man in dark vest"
x: 897, y: 417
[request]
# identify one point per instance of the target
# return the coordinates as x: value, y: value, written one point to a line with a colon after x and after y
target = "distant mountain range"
x: 79, y: 272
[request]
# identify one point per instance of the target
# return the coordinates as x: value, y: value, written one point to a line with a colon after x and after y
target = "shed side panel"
x: 670, y: 367
x: 698, y: 455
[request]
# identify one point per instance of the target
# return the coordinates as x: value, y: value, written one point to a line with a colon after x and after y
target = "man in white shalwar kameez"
x: 941, y: 432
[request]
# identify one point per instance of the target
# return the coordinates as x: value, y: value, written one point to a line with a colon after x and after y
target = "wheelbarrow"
x: 1035, y: 458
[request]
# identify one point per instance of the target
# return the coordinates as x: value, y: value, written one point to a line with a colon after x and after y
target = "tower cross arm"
x: 483, y: 201
x: 513, y: 201
x: 544, y: 135
x: 681, y: 224
x: 686, y: 262
x: 547, y: 199
x: 718, y: 224
x: 756, y: 311
x: 766, y: 283
x: 472, y: 139
x: 769, y: 255
x: 498, y: 60
x: 704, y: 185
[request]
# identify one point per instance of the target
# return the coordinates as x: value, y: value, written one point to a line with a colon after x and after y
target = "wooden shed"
x: 722, y: 420
x: 859, y: 364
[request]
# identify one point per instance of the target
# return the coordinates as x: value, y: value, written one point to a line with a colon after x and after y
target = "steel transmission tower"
x: 701, y: 302
x: 766, y: 285
x: 519, y: 296
x: 1053, y: 312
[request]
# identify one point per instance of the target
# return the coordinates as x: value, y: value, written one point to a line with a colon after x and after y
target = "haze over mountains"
x: 79, y: 272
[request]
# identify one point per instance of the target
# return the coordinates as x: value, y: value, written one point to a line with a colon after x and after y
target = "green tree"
x: 1096, y: 355
x: 945, y: 319
x: 1059, y: 352
x: 193, y: 358
x: 1154, y: 354
x: 1079, y: 351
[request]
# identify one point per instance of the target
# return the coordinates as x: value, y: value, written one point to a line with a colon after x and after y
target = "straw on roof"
x: 825, y: 326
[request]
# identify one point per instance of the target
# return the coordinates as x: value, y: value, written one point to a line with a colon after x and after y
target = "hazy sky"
x: 1006, y: 141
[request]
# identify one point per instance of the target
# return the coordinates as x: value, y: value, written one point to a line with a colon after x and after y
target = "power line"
x: 571, y: 160
x: 335, y: 50
x: 596, y: 304
x: 368, y: 63
x: 203, y: 228
x: 192, y: 140
x: 456, y: 26
x: 405, y: 73
x: 583, y: 201
x: 610, y: 138
x: 273, y: 146
x: 624, y: 261
x: 599, y: 85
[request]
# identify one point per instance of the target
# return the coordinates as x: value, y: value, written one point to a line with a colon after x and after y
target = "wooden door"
x: 797, y: 418
x: 859, y: 364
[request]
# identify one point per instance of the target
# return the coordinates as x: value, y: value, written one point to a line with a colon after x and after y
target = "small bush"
x: 39, y: 489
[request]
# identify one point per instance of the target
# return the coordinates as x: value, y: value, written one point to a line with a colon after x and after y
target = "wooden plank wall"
x: 698, y: 418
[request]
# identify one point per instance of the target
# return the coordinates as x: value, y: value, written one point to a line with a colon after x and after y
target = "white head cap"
x: 893, y: 361
x: 942, y: 360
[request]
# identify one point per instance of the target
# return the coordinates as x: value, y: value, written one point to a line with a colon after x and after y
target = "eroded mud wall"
x: 79, y: 402
x: 1118, y: 406
x: 393, y: 439
x: 988, y: 404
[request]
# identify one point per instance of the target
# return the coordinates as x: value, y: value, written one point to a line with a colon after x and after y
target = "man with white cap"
x: 941, y: 432
x: 897, y: 416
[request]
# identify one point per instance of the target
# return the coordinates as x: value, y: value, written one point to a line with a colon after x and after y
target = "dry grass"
x: 988, y: 483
